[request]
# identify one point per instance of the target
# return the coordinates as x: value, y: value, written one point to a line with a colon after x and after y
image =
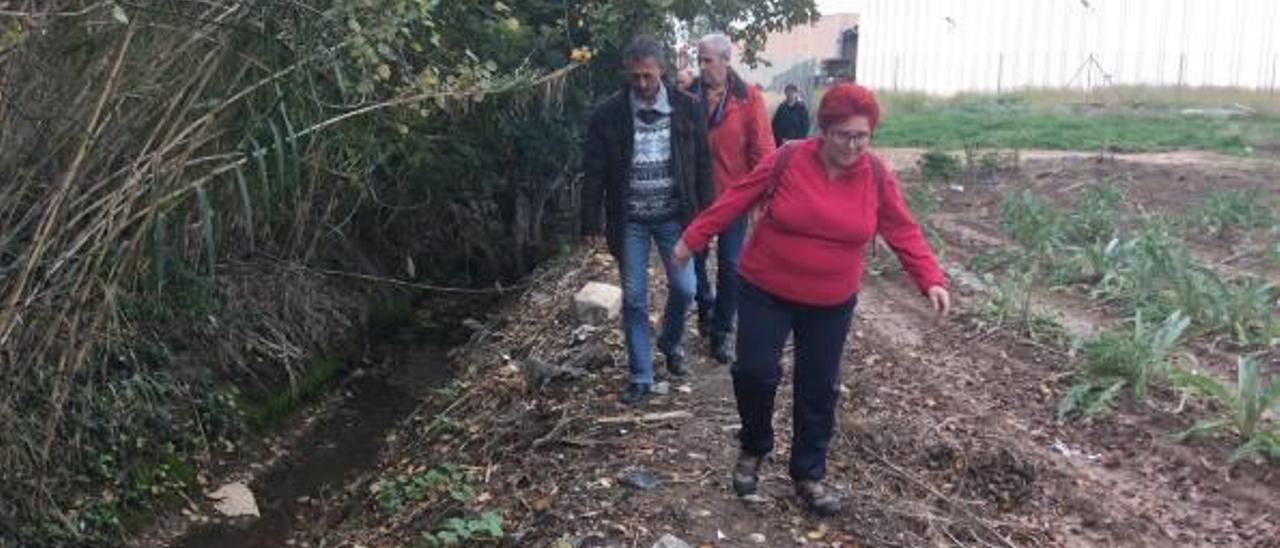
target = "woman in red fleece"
x: 823, y: 203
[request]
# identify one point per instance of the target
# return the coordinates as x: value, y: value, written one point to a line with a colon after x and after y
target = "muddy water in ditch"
x: 340, y: 448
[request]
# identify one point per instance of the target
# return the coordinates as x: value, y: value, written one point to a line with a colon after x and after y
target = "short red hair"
x: 844, y: 101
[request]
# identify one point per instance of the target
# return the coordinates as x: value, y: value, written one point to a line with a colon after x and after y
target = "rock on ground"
x: 234, y: 499
x: 597, y: 302
x: 670, y: 541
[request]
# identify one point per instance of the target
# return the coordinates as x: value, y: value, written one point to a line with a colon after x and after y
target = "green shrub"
x: 937, y: 166
x: 1135, y: 357
x: 1224, y: 213
x: 1245, y: 406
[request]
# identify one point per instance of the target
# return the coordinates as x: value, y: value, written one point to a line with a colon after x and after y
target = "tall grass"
x: 170, y: 176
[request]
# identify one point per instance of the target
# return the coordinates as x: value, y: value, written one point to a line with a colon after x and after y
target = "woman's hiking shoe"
x: 818, y: 498
x: 722, y: 348
x: 746, y: 474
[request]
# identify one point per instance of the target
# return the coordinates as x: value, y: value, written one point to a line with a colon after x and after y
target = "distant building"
x: 807, y: 55
x: 954, y: 46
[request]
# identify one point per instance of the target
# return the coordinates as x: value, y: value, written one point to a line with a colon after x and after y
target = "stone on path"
x: 670, y: 541
x: 234, y: 499
x: 597, y: 302
x: 641, y: 479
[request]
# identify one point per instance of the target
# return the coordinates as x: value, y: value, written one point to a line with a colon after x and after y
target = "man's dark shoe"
x: 722, y: 348
x: 635, y: 393
x: 704, y: 322
x: 677, y: 365
x: 818, y: 498
x: 746, y: 474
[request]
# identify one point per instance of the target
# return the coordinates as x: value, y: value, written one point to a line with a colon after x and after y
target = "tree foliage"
x: 175, y: 176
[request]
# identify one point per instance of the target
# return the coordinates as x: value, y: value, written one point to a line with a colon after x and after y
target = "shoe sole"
x: 817, y: 511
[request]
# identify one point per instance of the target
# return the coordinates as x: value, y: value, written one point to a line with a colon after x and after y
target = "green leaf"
x: 1200, y: 384
x: 1201, y: 428
x: 491, y: 524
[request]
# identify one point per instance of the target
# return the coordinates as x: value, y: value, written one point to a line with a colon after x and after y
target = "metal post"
x: 1000, y: 74
x: 897, y: 61
x: 1273, y: 72
x: 1182, y: 68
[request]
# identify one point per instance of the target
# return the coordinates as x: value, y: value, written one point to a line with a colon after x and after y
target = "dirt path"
x: 947, y: 436
x: 947, y: 431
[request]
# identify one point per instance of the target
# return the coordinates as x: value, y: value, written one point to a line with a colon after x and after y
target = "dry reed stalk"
x: 50, y: 221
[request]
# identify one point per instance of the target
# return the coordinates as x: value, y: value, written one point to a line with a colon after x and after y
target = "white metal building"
x: 948, y: 46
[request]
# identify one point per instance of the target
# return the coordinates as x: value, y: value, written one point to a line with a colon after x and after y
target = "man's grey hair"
x: 644, y: 47
x: 717, y: 43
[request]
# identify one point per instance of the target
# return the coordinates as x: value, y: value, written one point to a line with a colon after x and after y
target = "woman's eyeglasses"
x: 847, y: 138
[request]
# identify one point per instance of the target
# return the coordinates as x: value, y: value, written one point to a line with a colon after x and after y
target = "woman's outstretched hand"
x: 680, y: 254
x: 940, y: 298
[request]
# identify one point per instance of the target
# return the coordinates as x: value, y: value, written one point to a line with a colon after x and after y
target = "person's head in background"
x: 714, y: 53
x: 793, y: 94
x: 642, y: 60
x: 684, y: 79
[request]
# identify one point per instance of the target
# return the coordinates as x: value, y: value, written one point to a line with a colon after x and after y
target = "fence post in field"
x: 1273, y: 72
x: 1182, y: 67
x: 1000, y: 74
x: 897, y: 62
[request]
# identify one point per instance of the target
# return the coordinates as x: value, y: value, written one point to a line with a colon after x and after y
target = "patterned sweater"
x: 654, y: 196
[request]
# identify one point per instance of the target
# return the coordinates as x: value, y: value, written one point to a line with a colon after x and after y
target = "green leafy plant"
x: 1271, y: 247
x: 993, y: 260
x: 1031, y: 222
x: 1224, y: 212
x: 447, y: 480
x: 1246, y: 309
x: 459, y: 530
x: 984, y: 165
x: 1095, y: 214
x: 1100, y: 265
x: 1134, y: 357
x: 937, y: 166
x: 924, y: 202
x: 1246, y: 405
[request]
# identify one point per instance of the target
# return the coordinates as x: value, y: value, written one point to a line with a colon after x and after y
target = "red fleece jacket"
x: 741, y: 140
x: 808, y: 247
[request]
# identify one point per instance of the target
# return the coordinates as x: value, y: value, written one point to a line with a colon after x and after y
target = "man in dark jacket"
x: 791, y: 120
x: 646, y: 162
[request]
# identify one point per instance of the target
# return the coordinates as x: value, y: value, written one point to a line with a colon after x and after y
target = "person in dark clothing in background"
x: 791, y: 120
x: 647, y: 165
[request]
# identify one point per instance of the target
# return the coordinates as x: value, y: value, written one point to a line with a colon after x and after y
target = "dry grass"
x: 162, y: 181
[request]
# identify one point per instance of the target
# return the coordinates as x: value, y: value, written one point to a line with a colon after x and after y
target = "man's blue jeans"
x: 635, y: 299
x: 721, y: 302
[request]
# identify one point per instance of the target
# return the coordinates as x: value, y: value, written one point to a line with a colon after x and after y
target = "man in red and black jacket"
x: 740, y: 136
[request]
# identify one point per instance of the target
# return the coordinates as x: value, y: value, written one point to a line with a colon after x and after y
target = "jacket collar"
x: 662, y: 103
